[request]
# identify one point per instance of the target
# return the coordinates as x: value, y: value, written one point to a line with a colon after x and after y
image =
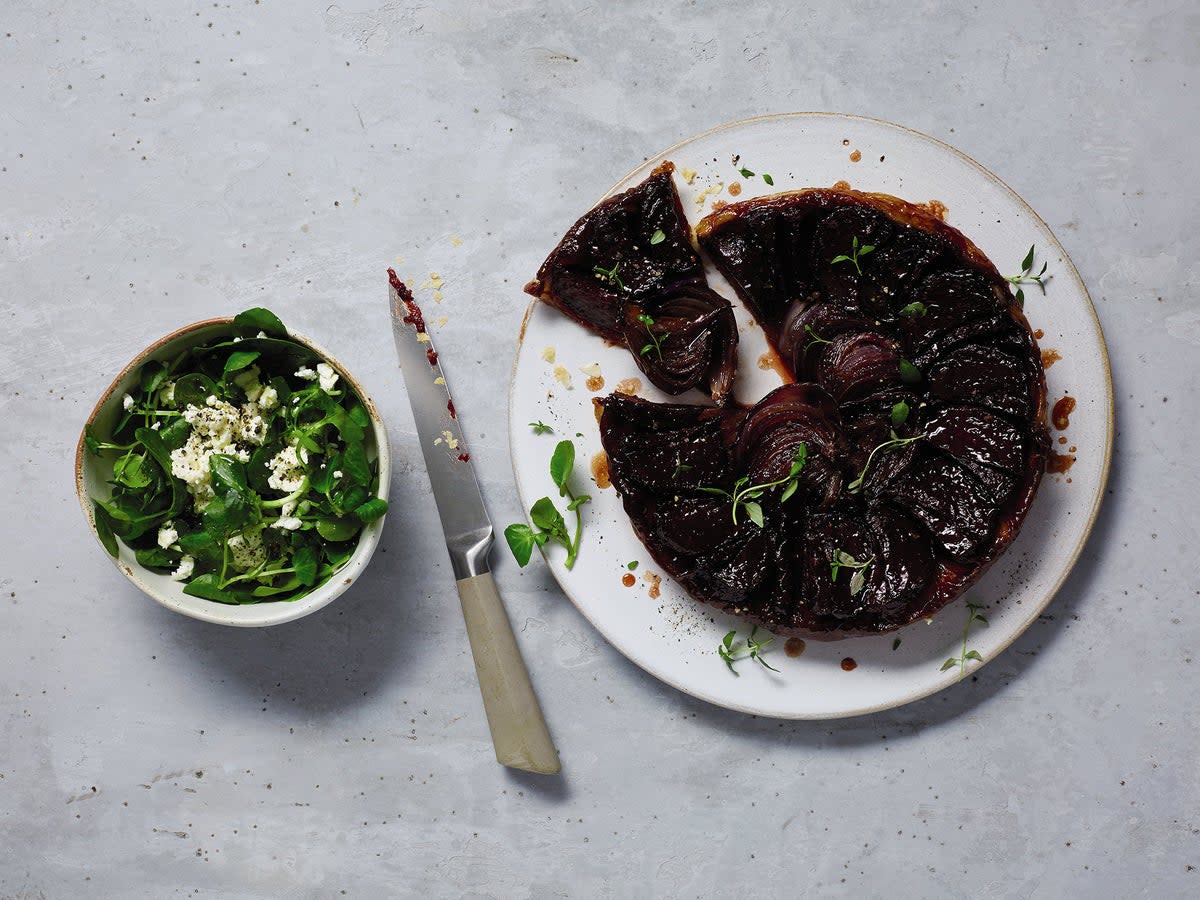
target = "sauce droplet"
x: 855, y: 155
x: 628, y: 579
x: 1059, y: 463
x: 1050, y: 357
x: 841, y: 185
x: 735, y: 189
x: 848, y: 664
x: 794, y: 647
x: 935, y: 208
x: 770, y: 361
x: 1061, y: 414
x: 1039, y: 334
x: 595, y: 383
x: 600, y: 470
x: 629, y: 386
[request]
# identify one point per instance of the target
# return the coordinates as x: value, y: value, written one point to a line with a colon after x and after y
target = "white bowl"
x: 92, y: 474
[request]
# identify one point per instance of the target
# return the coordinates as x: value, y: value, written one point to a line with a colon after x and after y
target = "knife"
x: 514, y: 716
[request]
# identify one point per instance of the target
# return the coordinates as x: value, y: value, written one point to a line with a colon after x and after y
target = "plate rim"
x: 1035, y: 610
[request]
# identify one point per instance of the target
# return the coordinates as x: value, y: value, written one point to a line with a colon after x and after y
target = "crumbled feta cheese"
x: 187, y: 565
x: 167, y: 535
x: 592, y: 370
x: 261, y: 334
x: 127, y: 402
x: 268, y: 399
x: 237, y: 340
x: 287, y: 523
x: 287, y: 470
x: 156, y: 425
x: 248, y: 381
x: 217, y: 427
x: 247, y: 550
x: 306, y: 373
x: 288, y: 508
x: 166, y: 394
x: 327, y: 376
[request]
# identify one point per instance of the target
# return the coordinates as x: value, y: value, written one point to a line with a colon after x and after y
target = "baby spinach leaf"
x: 152, y: 376
x: 176, y: 434
x: 354, y: 464
x: 202, y: 546
x: 291, y: 584
x: 240, y: 359
x: 130, y: 471
x: 104, y: 529
x: 263, y: 319
x: 155, y: 558
x: 358, y: 413
x: 208, y: 587
x: 194, y: 389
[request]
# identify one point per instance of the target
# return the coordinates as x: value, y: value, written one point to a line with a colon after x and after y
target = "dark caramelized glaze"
x: 930, y: 515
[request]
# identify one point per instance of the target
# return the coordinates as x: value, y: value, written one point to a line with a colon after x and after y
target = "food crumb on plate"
x: 562, y: 376
x: 549, y: 354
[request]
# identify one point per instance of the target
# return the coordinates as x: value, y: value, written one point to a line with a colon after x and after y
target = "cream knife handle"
x: 514, y: 716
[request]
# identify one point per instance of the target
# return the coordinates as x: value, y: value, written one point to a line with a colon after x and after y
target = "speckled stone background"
x: 161, y: 162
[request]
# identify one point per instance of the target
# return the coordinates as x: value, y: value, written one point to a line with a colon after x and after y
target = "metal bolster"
x: 469, y: 552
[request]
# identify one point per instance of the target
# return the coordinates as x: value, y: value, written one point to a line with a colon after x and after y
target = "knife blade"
x: 519, y: 733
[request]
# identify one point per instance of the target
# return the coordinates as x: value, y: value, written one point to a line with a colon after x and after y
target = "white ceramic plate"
x: 676, y: 638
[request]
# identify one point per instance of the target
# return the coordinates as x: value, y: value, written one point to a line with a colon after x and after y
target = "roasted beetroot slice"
x: 976, y: 436
x: 615, y: 237
x: 688, y: 339
x: 824, y: 535
x: 985, y: 375
x: 902, y: 565
x: 842, y: 250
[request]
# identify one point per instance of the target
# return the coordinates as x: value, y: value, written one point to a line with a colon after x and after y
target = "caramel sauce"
x: 654, y: 581
x: 1059, y: 463
x: 848, y: 664
x: 1061, y: 414
x: 1050, y: 357
x: 770, y: 361
x: 595, y: 383
x: 1039, y: 334
x: 628, y: 579
x: 629, y: 386
x: 597, y: 408
x: 1062, y: 440
x: 855, y: 156
x: 719, y: 204
x: 794, y: 646
x: 935, y: 208
x: 600, y: 470
x: 841, y: 185
x: 735, y: 189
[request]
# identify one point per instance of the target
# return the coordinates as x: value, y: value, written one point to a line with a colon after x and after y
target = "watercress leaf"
x: 258, y: 472
x: 202, y: 546
x: 948, y: 664
x: 561, y: 464
x: 321, y: 480
x: 788, y: 490
x: 305, y: 561
x: 104, y: 529
x: 341, y: 528
x: 175, y: 435
x: 545, y: 515
x: 899, y: 414
x: 263, y: 319
x: 578, y: 502
x: 354, y: 464
x: 348, y: 429
x: 754, y: 512
x: 130, y: 471
x: 89, y: 441
x: 208, y: 587
x: 152, y: 376
x: 308, y: 443
x: 194, y: 389
x: 239, y: 359
x: 155, y: 558
x: 372, y: 510
x: 520, y: 542
x: 358, y: 414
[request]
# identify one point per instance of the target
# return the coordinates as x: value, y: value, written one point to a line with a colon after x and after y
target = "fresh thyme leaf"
x: 909, y: 373
x: 1026, y: 276
x: 816, y: 338
x: 768, y: 179
x: 839, y: 560
x: 949, y: 664
x: 1027, y: 263
x: 745, y: 494
x: 745, y: 173
x: 913, y: 310
x: 632, y: 566
x: 753, y: 512
x: 973, y: 616
x: 680, y: 469
x: 655, y: 341
x: 856, y: 485
x: 658, y: 237
x: 857, y: 252
x: 540, y: 427
x: 752, y: 648
x: 610, y: 275
x: 899, y: 414
x: 896, y: 644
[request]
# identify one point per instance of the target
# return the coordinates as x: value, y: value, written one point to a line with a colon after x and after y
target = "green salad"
x: 240, y: 467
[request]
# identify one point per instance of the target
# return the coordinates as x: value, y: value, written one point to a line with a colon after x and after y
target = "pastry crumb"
x: 562, y: 376
x: 549, y: 354
x: 688, y: 175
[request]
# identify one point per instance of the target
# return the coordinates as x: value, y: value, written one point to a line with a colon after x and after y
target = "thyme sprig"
x: 895, y: 441
x: 857, y: 252
x: 655, y: 342
x: 746, y: 495
x: 610, y: 275
x: 1026, y: 276
x: 843, y: 560
x: 732, y: 651
x: 973, y: 615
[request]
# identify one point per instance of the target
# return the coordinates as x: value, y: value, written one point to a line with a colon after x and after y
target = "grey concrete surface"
x: 161, y: 162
